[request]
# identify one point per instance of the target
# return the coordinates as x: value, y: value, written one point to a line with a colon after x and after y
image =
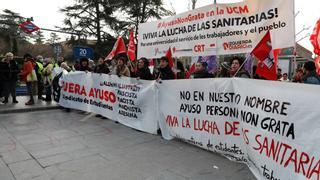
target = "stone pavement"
x: 21, y: 107
x: 56, y: 145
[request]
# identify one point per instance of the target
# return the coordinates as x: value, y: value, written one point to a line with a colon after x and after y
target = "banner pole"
x: 244, y: 62
x: 216, y: 54
x: 295, y: 43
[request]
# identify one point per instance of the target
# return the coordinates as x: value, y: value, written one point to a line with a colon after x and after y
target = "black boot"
x: 5, y: 101
x: 14, y: 101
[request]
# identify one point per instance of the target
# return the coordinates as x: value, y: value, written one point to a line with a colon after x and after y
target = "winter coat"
x: 144, y: 73
x: 165, y: 73
x: 2, y: 69
x: 243, y: 74
x: 123, y: 71
x: 27, y: 69
x: 202, y: 75
x: 311, y: 78
x: 47, y: 74
x: 102, y: 69
x: 9, y: 71
x: 181, y: 75
x: 84, y: 68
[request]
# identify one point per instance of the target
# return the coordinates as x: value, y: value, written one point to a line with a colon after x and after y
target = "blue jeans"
x: 29, y: 88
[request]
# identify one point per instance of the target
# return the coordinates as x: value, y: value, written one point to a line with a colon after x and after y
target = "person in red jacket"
x: 27, y: 76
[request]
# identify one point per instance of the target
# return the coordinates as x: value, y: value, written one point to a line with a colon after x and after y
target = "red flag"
x: 131, y: 47
x: 118, y: 48
x: 151, y: 62
x: 315, y: 38
x: 193, y: 66
x: 268, y: 58
x: 169, y: 56
x: 317, y: 62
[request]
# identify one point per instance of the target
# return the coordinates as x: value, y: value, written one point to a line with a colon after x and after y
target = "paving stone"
x: 26, y: 169
x: 166, y: 175
x: 56, y: 159
x: 57, y: 150
x: 70, y: 146
x: 5, y: 173
x: 15, y: 156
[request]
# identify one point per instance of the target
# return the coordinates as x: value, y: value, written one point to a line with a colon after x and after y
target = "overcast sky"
x: 46, y: 12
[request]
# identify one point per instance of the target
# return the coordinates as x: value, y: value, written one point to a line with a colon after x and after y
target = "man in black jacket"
x: 10, y: 72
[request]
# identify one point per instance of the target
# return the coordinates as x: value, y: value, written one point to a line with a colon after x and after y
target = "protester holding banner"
x: 181, y: 74
x: 132, y: 68
x: 311, y: 76
x: 76, y: 65
x: 223, y: 70
x: 60, y: 60
x: 92, y: 65
x: 84, y: 65
x: 298, y: 76
x: 164, y: 71
x: 285, y: 78
x: 112, y: 64
x: 143, y: 71
x: 237, y: 68
x: 201, y: 71
x: 122, y: 68
x: 279, y: 73
x: 56, y: 86
x: 101, y: 68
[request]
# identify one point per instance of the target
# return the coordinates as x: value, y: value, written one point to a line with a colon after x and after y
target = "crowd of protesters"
x: 38, y: 73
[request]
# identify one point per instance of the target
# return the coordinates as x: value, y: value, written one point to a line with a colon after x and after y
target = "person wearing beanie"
x: 311, y: 76
x: 164, y: 71
x: 9, y: 71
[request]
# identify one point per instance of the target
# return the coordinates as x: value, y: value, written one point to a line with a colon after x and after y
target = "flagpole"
x: 216, y: 54
x: 295, y: 44
x: 244, y: 62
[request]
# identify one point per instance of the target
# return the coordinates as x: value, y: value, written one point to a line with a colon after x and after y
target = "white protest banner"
x: 273, y: 127
x: 219, y: 29
x: 129, y: 101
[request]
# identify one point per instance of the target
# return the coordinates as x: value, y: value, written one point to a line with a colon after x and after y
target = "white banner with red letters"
x: 219, y: 29
x: 273, y: 127
x: 129, y: 101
